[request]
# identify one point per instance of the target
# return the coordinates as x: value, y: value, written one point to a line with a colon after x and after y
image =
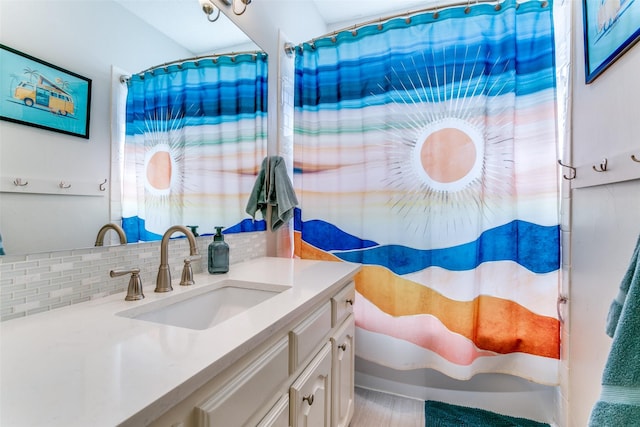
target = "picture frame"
x: 39, y: 94
x: 611, y: 27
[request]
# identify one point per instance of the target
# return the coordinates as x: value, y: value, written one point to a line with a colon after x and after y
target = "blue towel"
x: 279, y: 194
x: 619, y: 403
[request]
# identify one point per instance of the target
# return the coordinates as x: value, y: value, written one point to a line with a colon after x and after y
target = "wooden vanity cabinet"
x: 302, y: 376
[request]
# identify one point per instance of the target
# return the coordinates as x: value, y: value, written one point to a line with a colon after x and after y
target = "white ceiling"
x: 172, y: 17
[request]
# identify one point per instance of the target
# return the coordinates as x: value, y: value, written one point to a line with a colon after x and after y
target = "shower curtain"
x: 195, y: 139
x: 425, y: 149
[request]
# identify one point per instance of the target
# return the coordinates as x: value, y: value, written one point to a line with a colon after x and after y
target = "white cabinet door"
x: 343, y: 373
x: 310, y: 394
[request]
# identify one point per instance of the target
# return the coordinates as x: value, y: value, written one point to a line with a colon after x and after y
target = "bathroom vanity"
x: 278, y: 353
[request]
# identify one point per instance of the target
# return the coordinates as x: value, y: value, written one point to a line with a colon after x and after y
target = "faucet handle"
x: 187, y: 271
x: 134, y: 291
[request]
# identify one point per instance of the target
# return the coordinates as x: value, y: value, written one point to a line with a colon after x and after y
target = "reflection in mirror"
x: 115, y: 227
x: 146, y: 36
x: 195, y: 137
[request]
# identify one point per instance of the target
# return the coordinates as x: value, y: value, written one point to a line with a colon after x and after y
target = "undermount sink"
x: 204, y: 308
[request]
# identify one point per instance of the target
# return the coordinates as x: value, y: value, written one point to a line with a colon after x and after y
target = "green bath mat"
x: 439, y: 414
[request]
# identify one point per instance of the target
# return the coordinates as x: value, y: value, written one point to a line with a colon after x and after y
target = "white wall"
x: 86, y: 38
x: 604, y: 220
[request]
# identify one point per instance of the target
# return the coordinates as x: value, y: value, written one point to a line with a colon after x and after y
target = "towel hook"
x: 562, y: 299
x: 634, y: 158
x: 101, y: 186
x: 64, y: 185
x: 19, y: 183
x: 573, y: 171
x: 602, y: 167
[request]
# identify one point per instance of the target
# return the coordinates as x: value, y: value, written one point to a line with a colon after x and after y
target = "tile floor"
x: 376, y: 409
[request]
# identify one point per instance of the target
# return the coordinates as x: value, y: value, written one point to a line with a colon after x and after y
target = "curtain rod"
x: 435, y: 9
x: 124, y: 79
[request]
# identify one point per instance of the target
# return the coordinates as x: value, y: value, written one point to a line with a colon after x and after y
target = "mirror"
x: 147, y: 34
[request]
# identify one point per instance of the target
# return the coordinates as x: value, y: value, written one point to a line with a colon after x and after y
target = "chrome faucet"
x: 103, y: 231
x: 163, y: 282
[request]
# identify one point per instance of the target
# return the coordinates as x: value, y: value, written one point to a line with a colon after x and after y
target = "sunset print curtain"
x: 425, y: 149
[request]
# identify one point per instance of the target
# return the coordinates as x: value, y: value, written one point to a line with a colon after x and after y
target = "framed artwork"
x: 37, y: 93
x: 611, y: 27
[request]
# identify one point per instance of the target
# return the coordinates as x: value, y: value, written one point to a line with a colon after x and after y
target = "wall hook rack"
x: 102, y: 187
x: 634, y: 158
x: 573, y: 171
x: 18, y: 182
x: 64, y: 185
x: 602, y: 167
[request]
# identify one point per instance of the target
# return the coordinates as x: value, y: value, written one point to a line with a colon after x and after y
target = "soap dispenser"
x: 218, y: 253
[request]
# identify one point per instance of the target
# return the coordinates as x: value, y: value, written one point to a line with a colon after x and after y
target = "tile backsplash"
x: 46, y: 281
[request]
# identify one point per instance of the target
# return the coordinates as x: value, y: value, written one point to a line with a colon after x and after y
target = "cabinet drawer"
x: 278, y: 416
x: 308, y: 335
x: 342, y: 304
x: 248, y: 391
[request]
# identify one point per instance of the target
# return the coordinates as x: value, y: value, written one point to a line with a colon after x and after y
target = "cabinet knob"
x: 343, y: 347
x: 308, y: 399
x: 350, y: 301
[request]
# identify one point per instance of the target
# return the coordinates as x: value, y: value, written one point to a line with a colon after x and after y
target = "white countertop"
x: 84, y: 365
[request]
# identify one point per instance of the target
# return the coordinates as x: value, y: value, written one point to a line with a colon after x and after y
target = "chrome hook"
x: 573, y: 171
x: 101, y: 186
x: 602, y: 167
x: 64, y: 185
x: 19, y: 183
x: 634, y: 158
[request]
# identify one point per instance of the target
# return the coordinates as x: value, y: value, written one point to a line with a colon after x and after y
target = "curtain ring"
x: 246, y: 2
x: 214, y: 19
